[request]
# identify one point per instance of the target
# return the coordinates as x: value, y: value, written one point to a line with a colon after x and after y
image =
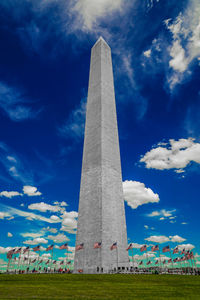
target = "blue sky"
x: 44, y: 70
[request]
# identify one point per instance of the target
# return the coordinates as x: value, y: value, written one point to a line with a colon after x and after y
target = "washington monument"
x: 101, y: 239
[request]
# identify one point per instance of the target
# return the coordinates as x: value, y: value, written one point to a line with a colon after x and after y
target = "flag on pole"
x: 130, y: 246
x: 149, y: 262
x: 140, y: 263
x: 18, y: 250
x: 47, y: 262
x: 80, y: 270
x: 183, y: 251
x: 10, y: 253
x: 80, y: 246
x: 166, y: 249
x: 164, y: 261
x: 37, y: 248
x: 143, y: 248
x: 62, y: 262
x: 175, y: 250
x: 65, y: 246
x: 169, y: 260
x: 156, y: 262
x: 191, y: 255
x: 54, y: 262
x: 33, y: 261
x: 50, y: 248
x: 69, y: 262
x: 114, y: 246
x: 97, y: 245
x: 155, y: 248
x: 175, y: 259
x: 40, y: 261
x: 26, y: 249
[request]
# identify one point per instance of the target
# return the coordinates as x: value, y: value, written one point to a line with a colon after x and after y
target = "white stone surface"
x: 101, y: 205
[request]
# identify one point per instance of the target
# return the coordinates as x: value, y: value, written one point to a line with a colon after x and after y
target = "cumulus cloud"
x: 31, y: 191
x: 31, y: 234
x: 158, y: 239
x: 147, y: 53
x: 136, y: 194
x: 4, y: 249
x: 9, y: 194
x: 176, y: 155
x: 59, y: 238
x: 186, y: 247
x: 36, y: 241
x: 69, y: 222
x: 177, y: 239
x: 43, y: 207
x: 50, y: 229
x: 9, y: 234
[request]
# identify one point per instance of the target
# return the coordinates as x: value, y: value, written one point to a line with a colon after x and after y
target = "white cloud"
x: 59, y: 238
x: 89, y: 12
x: 69, y: 222
x: 4, y: 215
x: 177, y: 239
x: 36, y: 241
x: 14, y: 104
x: 31, y: 234
x: 147, y: 53
x: 43, y: 207
x: 158, y: 239
x: 9, y: 234
x: 185, y: 30
x: 184, y: 223
x: 9, y: 194
x: 75, y: 123
x: 50, y: 229
x: 163, y: 214
x: 31, y: 191
x: 136, y: 194
x: 177, y: 155
x: 146, y: 226
x: 186, y: 247
x: 4, y: 249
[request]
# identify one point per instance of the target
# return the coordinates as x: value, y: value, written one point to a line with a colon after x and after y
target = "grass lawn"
x: 69, y: 286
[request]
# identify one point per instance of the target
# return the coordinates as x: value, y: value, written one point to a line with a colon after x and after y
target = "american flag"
x: 25, y: 258
x: 26, y: 249
x: 69, y: 262
x: 65, y: 246
x: 140, y: 263
x: 130, y: 246
x: 37, y: 248
x: 50, y: 248
x: 149, y: 262
x: 114, y: 246
x: 62, y: 262
x: 18, y: 250
x: 40, y: 261
x: 10, y: 253
x: 164, y: 261
x: 80, y: 246
x: 183, y: 251
x: 156, y: 262
x: 47, y: 262
x: 175, y: 250
x: 166, y: 249
x: 33, y: 261
x: 191, y: 255
x: 80, y: 270
x: 155, y: 248
x: 169, y: 260
x: 143, y: 248
x: 175, y: 259
x: 54, y: 262
x: 97, y: 245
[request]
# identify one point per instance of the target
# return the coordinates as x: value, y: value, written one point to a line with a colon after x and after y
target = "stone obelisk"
x: 101, y: 216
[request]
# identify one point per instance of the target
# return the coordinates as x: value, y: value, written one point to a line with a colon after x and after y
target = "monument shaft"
x: 101, y: 205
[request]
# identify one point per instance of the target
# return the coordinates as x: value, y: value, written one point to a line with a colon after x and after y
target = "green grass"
x: 69, y: 286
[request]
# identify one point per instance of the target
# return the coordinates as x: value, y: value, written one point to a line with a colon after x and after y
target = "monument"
x: 101, y: 239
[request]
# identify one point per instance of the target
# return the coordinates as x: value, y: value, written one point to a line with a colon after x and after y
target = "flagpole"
x: 117, y: 257
x: 28, y: 261
x: 171, y: 259
x: 159, y: 258
x: 19, y: 260
x: 132, y: 258
x: 51, y: 260
x: 38, y: 260
x: 147, y: 258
